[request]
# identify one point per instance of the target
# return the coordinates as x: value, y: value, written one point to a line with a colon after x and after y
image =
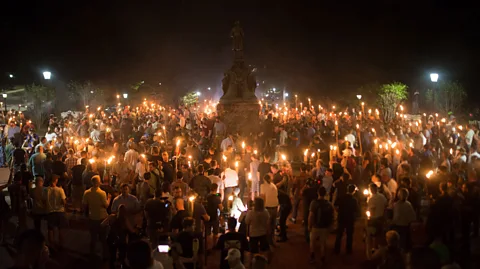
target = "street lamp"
x: 118, y: 96
x: 209, y: 88
x: 125, y: 95
x: 4, y: 95
x: 359, y: 96
x: 47, y: 75
x: 199, y: 93
x: 10, y: 75
x: 434, y: 79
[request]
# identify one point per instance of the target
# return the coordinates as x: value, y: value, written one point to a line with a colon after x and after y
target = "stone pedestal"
x: 239, y: 107
x: 240, y: 117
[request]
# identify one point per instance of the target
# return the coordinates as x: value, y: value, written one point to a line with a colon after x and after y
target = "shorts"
x: 318, y: 235
x: 212, y: 225
x: 259, y: 240
x: 375, y: 226
x: 57, y: 220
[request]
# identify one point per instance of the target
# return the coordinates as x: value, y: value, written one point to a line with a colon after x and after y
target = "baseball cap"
x: 233, y: 254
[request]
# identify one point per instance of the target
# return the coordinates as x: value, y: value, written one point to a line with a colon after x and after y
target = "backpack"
x: 324, y: 214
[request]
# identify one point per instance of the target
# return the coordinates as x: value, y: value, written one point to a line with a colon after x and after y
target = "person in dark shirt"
x: 27, y: 177
x: 264, y: 167
x: 285, y: 209
x: 341, y: 186
x: 32, y: 252
x: 18, y: 157
x: 185, y: 241
x: 158, y: 212
x: 214, y: 203
x: 59, y: 168
x: 309, y: 194
x: 176, y: 224
x: 200, y: 183
x: 441, y: 216
x: 167, y: 168
x: 347, y: 208
x: 231, y: 239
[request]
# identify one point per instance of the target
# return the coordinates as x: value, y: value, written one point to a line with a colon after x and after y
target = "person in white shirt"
x: 269, y: 193
x: 351, y: 139
x: 230, y: 181
x: 131, y: 157
x: 469, y: 136
x: 391, y: 185
x: 56, y: 219
x: 50, y: 135
x: 215, y: 179
x: 376, y: 205
x: 95, y: 134
x: 283, y: 136
x: 227, y: 142
x: 403, y: 215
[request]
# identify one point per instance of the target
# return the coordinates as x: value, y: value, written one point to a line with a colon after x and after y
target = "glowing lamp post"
x: 47, y: 75
x: 5, y: 101
x: 434, y: 79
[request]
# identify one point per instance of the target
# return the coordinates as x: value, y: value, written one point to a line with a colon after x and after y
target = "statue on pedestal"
x: 239, y: 105
x: 237, y: 36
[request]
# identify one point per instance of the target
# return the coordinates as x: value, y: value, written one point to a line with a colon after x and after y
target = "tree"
x: 190, y: 99
x: 81, y: 90
x: 40, y: 99
x: 447, y: 97
x: 389, y: 97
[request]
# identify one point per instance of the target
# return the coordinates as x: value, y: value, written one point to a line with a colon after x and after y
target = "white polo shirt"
x: 271, y: 194
x: 231, y: 178
x: 377, y: 204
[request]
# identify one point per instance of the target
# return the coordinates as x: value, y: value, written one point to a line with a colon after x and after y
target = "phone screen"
x: 163, y: 248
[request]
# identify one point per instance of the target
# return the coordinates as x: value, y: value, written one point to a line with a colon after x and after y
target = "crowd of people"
x: 181, y: 179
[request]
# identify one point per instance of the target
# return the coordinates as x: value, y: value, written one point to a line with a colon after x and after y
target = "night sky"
x: 308, y: 48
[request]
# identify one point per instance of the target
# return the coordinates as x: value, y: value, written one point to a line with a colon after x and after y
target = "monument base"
x: 240, y: 117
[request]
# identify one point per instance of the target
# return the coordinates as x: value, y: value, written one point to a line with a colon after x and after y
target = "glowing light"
x: 47, y: 75
x: 91, y: 161
x: 191, y: 198
x: 366, y: 192
x: 434, y: 77
x: 230, y: 198
x: 429, y: 174
x: 368, y: 214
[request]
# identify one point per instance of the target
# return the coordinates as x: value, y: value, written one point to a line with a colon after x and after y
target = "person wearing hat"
x: 347, y: 208
x: 234, y: 259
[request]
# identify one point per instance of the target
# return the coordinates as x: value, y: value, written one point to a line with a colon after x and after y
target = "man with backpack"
x: 158, y: 213
x: 319, y: 222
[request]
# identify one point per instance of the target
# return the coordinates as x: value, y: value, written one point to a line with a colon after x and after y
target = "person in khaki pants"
x: 319, y: 224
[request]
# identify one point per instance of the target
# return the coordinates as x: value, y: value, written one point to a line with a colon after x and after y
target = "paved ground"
x: 292, y: 254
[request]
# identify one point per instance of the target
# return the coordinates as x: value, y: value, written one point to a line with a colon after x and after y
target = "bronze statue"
x: 225, y: 83
x: 237, y: 36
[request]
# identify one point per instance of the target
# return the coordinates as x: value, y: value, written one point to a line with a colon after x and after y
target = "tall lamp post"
x: 5, y: 101
x: 47, y: 75
x: 434, y: 79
